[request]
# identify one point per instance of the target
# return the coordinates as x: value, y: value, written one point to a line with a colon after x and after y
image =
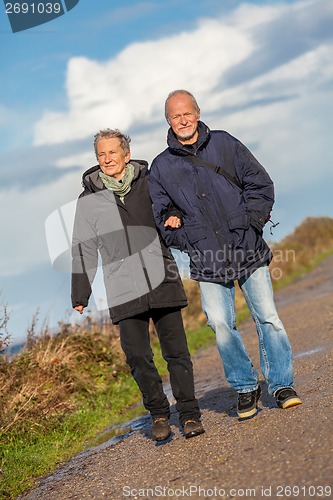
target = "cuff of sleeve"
x: 257, y: 222
x: 173, y: 212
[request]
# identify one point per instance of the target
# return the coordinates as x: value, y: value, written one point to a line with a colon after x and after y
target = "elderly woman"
x: 114, y: 219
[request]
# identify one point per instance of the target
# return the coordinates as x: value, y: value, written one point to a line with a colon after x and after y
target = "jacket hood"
x: 181, y: 149
x: 92, y: 181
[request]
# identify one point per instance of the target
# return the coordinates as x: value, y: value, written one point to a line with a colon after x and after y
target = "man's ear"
x: 198, y: 114
x: 127, y: 157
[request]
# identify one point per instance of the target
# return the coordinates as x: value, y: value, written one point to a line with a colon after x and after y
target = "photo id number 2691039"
x: 302, y: 491
x: 33, y: 8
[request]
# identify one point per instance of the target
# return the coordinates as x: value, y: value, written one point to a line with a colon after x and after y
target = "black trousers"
x: 135, y: 342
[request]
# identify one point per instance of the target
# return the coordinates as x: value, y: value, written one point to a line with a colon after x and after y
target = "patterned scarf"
x: 122, y: 187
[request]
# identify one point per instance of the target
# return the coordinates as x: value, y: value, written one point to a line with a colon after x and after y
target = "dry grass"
x: 4, y: 318
x: 44, y: 380
x: 300, y: 249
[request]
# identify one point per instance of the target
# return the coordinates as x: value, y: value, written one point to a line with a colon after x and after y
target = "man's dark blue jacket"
x: 221, y: 224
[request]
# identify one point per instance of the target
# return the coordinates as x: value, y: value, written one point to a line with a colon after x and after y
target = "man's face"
x: 183, y: 118
x: 111, y: 157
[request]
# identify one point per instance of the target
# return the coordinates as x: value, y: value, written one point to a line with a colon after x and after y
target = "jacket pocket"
x: 125, y: 280
x: 195, y: 232
x: 239, y: 220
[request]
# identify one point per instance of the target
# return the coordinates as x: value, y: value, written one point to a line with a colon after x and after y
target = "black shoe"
x: 193, y: 428
x: 287, y: 397
x: 247, y: 405
x: 161, y: 429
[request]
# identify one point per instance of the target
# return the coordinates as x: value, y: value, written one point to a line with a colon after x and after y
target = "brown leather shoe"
x: 193, y: 428
x: 161, y: 429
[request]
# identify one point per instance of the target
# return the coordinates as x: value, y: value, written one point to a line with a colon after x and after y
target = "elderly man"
x: 211, y: 199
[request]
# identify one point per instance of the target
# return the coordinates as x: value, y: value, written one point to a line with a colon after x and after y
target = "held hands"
x: 173, y: 222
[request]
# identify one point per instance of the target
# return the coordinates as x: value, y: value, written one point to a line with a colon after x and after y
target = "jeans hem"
x: 248, y: 390
x: 291, y: 386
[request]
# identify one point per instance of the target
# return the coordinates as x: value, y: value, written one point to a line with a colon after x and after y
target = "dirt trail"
x: 278, y: 454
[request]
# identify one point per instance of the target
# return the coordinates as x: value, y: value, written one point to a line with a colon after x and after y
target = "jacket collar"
x: 177, y: 147
x: 92, y: 182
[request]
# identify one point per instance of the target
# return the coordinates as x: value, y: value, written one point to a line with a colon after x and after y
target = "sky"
x: 262, y: 70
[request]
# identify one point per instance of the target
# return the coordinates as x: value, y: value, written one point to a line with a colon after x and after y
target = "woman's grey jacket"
x: 139, y: 271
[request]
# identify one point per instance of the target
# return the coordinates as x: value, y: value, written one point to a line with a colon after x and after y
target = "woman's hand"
x: 79, y: 309
x: 174, y: 222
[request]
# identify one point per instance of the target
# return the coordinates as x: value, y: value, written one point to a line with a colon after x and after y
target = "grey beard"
x: 186, y: 137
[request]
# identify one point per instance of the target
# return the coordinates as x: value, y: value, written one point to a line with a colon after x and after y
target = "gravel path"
x: 277, y: 454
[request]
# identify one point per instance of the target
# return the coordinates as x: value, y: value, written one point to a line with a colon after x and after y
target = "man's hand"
x: 79, y: 309
x: 174, y: 222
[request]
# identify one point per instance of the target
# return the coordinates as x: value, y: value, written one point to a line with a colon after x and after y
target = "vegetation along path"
x: 277, y: 454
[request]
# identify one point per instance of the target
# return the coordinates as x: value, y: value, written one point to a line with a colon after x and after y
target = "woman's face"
x: 111, y: 157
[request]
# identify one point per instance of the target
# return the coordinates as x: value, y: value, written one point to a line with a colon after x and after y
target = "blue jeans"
x: 218, y: 303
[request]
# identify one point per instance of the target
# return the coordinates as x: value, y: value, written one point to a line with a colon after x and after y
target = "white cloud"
x: 79, y: 159
x: 130, y: 88
x: 241, y: 72
x: 291, y: 134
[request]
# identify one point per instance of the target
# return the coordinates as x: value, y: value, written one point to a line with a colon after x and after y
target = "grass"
x: 27, y: 456
x: 35, y: 446
x: 306, y: 268
x: 65, y: 392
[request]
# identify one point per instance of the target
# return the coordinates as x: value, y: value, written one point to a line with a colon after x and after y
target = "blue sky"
x: 262, y: 70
